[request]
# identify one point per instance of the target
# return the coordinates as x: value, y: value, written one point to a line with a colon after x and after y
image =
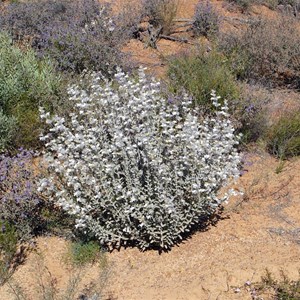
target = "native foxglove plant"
x: 132, y: 166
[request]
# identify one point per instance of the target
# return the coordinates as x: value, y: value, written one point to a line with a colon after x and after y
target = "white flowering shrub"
x: 132, y: 166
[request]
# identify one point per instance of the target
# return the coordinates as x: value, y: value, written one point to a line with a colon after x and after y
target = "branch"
x: 174, y: 39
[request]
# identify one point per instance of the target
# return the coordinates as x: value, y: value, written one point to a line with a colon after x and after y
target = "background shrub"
x: 78, y: 34
x: 283, y: 289
x: 249, y: 117
x: 244, y: 5
x: 268, y: 52
x: 199, y: 73
x: 8, y: 128
x: 129, y: 17
x: 82, y: 253
x: 8, y: 249
x: 20, y: 205
x: 133, y: 167
x: 206, y: 20
x: 290, y: 6
x: 283, y: 138
x: 25, y: 83
x: 161, y: 13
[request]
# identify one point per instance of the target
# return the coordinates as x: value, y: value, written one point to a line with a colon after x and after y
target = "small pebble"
x: 248, y: 283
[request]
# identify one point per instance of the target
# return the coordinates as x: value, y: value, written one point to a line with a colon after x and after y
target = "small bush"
x: 81, y: 253
x: 25, y: 83
x: 268, y: 52
x: 283, y: 138
x: 200, y: 73
x: 206, y: 20
x: 249, y: 114
x: 244, y: 5
x: 78, y: 34
x: 129, y: 17
x: 8, y: 249
x: 161, y: 13
x: 133, y: 167
x: 290, y: 6
x: 283, y: 289
x: 20, y: 206
x: 8, y: 128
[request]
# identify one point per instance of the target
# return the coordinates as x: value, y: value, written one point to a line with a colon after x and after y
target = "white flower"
x: 132, y: 166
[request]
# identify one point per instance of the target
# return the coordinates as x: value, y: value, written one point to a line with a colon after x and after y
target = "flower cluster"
x: 132, y: 166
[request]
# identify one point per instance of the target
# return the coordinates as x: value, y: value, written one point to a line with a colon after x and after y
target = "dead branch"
x: 174, y: 39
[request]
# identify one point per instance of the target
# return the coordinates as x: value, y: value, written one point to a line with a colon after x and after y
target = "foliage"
x: 161, y: 13
x: 129, y: 17
x: 268, y: 52
x: 200, y: 73
x: 283, y: 138
x: 284, y: 289
x: 20, y: 206
x: 294, y: 4
x: 25, y: 83
x: 7, y: 130
x: 249, y: 114
x: 244, y: 5
x: 206, y: 20
x: 78, y: 34
x: 8, y: 249
x: 133, y: 167
x: 82, y: 253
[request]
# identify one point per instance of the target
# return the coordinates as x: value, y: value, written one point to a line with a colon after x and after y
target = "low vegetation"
x: 25, y: 83
x: 268, y: 52
x: 283, y: 137
x: 200, y: 72
x: 206, y: 20
x: 78, y: 35
x: 161, y: 13
x: 283, y: 289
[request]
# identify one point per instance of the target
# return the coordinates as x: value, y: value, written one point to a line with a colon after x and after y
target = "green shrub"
x: 200, y: 73
x: 82, y: 253
x: 283, y: 138
x: 25, y: 83
x: 8, y: 248
x: 7, y: 130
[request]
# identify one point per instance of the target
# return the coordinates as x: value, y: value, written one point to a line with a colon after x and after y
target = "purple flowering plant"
x: 78, y: 35
x: 20, y: 204
x: 206, y: 20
